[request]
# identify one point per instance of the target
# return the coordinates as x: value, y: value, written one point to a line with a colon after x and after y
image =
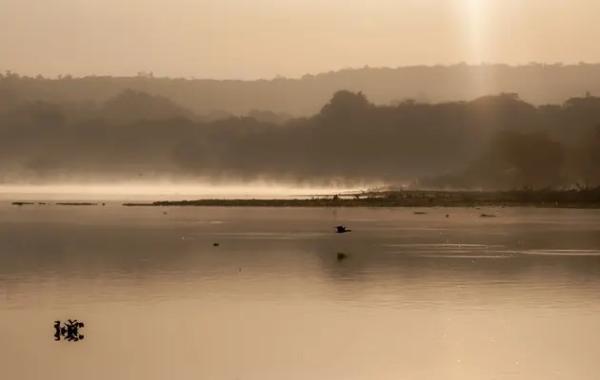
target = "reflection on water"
x: 416, y: 297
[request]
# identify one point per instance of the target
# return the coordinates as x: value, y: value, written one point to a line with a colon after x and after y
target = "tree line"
x: 496, y: 142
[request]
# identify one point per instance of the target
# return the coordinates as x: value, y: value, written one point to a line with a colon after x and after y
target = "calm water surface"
x: 418, y: 297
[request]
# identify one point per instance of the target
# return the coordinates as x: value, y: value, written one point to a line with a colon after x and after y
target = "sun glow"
x: 475, y: 16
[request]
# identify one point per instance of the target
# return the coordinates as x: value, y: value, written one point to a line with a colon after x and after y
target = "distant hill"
x: 535, y: 83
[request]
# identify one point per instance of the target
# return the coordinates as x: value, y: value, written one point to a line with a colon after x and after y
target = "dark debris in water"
x: 76, y: 204
x: 341, y: 256
x: 22, y: 203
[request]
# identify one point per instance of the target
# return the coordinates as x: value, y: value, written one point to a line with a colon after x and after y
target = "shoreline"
x: 580, y: 199
x: 586, y: 199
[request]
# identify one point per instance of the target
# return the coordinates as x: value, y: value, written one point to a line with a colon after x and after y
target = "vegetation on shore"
x: 582, y: 198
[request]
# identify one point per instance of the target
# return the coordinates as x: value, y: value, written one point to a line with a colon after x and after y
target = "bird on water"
x: 342, y: 229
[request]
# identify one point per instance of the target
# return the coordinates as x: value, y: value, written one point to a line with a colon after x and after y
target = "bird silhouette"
x: 342, y: 229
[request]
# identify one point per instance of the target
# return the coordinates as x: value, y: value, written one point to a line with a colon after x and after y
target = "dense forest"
x: 499, y: 142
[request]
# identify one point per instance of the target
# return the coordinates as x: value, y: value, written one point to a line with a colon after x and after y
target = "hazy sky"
x: 264, y: 38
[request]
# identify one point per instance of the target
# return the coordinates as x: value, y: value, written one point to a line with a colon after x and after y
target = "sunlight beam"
x: 475, y: 16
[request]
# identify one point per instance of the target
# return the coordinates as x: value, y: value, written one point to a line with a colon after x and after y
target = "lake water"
x: 516, y: 296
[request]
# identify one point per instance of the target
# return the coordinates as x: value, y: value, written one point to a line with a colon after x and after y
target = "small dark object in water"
x: 447, y: 215
x: 420, y: 213
x: 215, y: 244
x: 22, y: 203
x: 487, y: 216
x: 103, y: 204
x: 76, y: 204
x: 341, y: 256
x: 164, y: 213
x: 342, y: 229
